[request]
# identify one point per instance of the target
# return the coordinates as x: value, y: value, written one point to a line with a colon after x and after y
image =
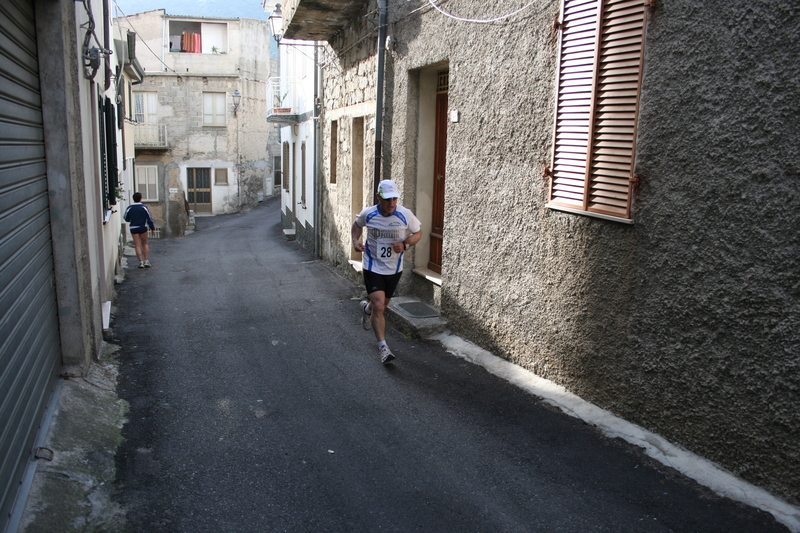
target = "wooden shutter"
x: 303, y: 173
x: 598, y: 95
x: 575, y: 89
x: 285, y: 174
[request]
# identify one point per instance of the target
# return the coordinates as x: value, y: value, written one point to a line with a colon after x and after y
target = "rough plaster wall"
x: 148, y: 27
x: 717, y: 331
x: 685, y: 322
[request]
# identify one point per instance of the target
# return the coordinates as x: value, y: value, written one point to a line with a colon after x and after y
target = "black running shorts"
x: 379, y: 282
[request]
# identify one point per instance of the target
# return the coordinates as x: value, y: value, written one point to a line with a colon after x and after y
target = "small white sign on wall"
x: 173, y: 190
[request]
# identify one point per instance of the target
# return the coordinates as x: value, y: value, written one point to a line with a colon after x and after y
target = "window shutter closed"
x: 285, y: 165
x: 598, y: 96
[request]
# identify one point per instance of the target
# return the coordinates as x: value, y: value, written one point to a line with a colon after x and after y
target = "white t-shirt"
x: 380, y: 257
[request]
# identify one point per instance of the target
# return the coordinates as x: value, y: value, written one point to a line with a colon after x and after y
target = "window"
x: 276, y: 166
x: 198, y: 37
x: 129, y: 111
x: 334, y: 148
x: 213, y: 109
x: 145, y: 107
x: 599, y: 74
x: 147, y: 182
x: 220, y: 176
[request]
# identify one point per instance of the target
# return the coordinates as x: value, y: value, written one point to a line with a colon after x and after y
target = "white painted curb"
x: 693, y: 466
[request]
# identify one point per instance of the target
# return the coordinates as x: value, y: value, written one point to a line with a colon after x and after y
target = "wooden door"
x: 198, y: 187
x: 439, y: 164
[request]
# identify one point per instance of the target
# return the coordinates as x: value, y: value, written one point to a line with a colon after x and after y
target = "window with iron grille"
x: 443, y: 81
x: 599, y: 76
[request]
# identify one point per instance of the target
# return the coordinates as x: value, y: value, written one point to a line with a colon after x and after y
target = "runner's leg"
x: 145, y: 247
x: 378, y: 303
x: 137, y: 244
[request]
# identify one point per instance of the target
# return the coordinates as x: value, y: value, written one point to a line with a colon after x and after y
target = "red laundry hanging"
x: 191, y: 42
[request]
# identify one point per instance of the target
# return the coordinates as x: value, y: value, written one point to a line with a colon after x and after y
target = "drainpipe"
x: 317, y: 155
x: 379, y: 89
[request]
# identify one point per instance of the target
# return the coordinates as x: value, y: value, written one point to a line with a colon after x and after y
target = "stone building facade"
x: 677, y: 308
x: 196, y: 149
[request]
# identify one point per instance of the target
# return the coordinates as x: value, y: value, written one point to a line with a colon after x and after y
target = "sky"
x: 198, y: 8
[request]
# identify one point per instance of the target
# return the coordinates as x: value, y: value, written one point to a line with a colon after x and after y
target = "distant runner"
x: 139, y: 218
x: 391, y: 230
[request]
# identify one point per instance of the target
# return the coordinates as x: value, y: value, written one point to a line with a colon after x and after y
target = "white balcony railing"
x: 146, y: 135
x: 283, y: 96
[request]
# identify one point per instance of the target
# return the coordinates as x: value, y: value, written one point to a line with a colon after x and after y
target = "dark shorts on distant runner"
x: 380, y: 282
x: 136, y: 231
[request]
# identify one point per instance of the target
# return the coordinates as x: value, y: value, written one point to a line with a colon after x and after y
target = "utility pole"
x: 382, y: 4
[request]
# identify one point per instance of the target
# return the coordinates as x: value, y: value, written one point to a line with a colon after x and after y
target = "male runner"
x: 391, y: 230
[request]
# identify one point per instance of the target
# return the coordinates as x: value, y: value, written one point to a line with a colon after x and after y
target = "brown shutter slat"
x: 617, y: 5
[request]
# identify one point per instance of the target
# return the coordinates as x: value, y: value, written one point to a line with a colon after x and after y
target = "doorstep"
x: 414, y: 317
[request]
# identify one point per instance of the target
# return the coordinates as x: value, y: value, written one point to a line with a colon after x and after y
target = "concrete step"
x: 411, y: 316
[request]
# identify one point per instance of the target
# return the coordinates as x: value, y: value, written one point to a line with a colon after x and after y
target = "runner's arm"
x: 355, y: 233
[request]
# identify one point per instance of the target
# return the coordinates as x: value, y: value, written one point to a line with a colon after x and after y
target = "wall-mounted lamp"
x: 237, y: 99
x: 276, y: 23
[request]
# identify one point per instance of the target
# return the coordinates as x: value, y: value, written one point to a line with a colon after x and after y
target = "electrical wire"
x: 480, y: 21
x: 116, y: 6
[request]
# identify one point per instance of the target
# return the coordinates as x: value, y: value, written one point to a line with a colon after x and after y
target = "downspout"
x: 317, y: 154
x: 382, y: 4
x: 164, y: 42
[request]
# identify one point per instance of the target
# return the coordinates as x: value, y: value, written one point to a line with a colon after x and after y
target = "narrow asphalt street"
x: 258, y: 404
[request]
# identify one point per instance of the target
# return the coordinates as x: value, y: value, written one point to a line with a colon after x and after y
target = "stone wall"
x: 243, y: 146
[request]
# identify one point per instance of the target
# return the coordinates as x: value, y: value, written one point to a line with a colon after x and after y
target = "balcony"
x: 319, y: 20
x: 284, y: 96
x: 147, y: 135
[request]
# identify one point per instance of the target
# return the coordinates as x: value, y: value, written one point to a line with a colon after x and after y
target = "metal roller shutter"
x: 30, y: 351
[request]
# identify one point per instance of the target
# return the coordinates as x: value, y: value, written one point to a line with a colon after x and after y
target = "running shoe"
x: 366, y: 318
x: 147, y: 264
x: 386, y: 354
x: 141, y: 265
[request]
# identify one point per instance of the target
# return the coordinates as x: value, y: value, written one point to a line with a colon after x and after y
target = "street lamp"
x: 276, y: 23
x: 237, y: 99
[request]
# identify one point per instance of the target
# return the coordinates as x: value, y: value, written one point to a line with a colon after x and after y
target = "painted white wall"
x: 297, y: 64
x: 224, y: 198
